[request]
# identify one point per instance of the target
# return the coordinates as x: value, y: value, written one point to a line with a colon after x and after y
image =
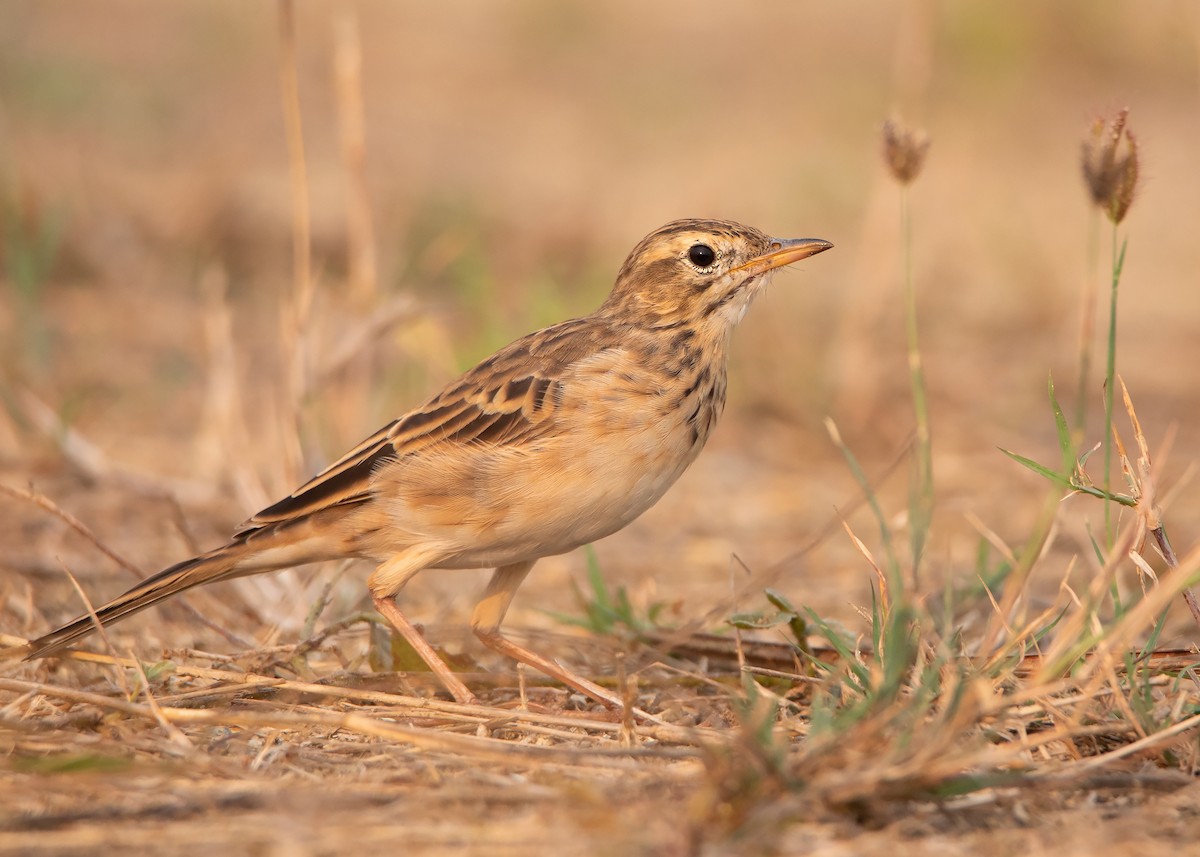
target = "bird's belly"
x: 506, y: 505
x: 567, y: 503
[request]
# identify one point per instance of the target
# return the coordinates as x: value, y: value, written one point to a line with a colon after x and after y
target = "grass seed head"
x: 904, y: 150
x: 1110, y: 164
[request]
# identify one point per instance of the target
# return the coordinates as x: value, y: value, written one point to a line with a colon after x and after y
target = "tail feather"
x: 217, y: 565
x: 258, y: 551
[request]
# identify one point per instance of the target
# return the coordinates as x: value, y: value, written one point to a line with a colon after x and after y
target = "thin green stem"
x: 921, y: 489
x: 895, y: 580
x: 1087, y: 324
x: 1118, y: 262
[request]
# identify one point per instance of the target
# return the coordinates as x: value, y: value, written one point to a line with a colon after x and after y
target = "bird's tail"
x: 253, y: 552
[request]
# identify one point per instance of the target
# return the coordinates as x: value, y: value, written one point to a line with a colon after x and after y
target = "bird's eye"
x: 701, y: 255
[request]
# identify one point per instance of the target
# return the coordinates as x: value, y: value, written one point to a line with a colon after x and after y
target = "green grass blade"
x: 885, y: 533
x: 1040, y: 469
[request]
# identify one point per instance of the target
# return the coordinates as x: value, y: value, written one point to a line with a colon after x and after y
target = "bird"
x: 557, y: 440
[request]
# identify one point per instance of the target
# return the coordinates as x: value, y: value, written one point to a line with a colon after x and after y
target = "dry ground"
x: 513, y: 153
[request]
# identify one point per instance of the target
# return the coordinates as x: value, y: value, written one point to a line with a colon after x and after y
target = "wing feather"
x: 510, y: 398
x: 344, y: 481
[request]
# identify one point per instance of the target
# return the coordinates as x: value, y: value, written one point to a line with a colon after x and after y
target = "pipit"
x: 559, y: 439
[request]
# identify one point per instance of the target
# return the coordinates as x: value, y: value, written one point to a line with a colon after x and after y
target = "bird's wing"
x: 509, y: 399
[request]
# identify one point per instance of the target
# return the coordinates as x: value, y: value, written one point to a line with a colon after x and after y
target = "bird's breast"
x: 623, y: 431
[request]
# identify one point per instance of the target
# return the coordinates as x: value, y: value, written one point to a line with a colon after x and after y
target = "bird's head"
x: 696, y: 272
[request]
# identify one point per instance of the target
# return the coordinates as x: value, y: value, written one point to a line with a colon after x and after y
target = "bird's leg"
x: 385, y: 582
x: 488, y: 615
x: 386, y: 605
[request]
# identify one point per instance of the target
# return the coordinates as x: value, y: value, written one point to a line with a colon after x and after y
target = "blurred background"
x: 475, y: 171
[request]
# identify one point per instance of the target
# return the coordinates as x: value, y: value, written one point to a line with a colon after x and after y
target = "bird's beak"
x: 784, y: 251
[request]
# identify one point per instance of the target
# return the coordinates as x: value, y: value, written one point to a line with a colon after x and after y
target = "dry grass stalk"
x: 224, y: 436
x: 491, y: 750
x: 229, y: 683
x: 296, y: 318
x: 880, y: 578
x: 101, y: 630
x: 1145, y: 490
x: 1141, y: 745
x: 173, y: 732
x: 770, y: 576
x: 360, y: 231
x: 44, y: 502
